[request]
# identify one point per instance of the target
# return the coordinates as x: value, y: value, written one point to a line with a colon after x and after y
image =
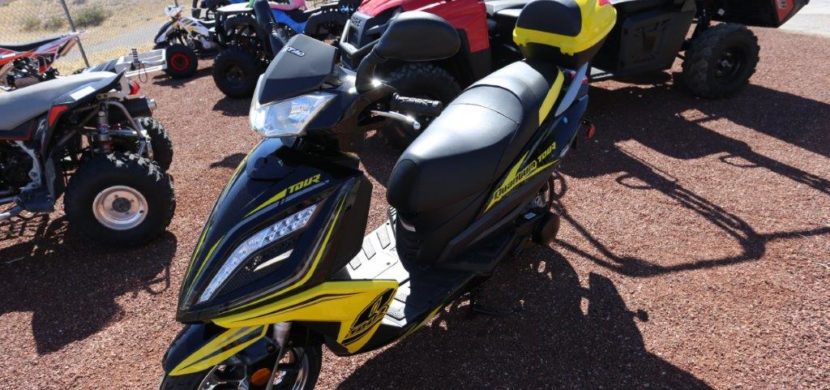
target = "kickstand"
x: 478, y: 308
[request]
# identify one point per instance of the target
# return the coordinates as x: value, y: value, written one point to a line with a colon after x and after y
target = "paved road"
x: 813, y: 19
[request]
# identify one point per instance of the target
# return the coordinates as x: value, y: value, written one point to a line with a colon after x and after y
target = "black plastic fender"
x: 162, y: 30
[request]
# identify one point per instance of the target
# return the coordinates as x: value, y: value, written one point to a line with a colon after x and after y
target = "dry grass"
x: 109, y: 27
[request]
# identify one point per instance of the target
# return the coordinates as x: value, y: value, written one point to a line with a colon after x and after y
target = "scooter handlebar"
x: 416, y: 106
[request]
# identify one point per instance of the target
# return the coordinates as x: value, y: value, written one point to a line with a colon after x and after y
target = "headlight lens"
x: 289, y: 117
x: 256, y: 242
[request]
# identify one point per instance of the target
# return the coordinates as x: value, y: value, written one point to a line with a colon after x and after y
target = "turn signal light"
x: 260, y: 377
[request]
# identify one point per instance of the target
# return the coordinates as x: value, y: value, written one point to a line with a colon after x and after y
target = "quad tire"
x: 181, y: 61
x: 235, y: 71
x: 720, y: 61
x: 421, y: 80
x: 119, y: 199
x: 159, y: 141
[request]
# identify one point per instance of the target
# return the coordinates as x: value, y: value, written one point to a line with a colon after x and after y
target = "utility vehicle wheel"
x: 159, y: 141
x: 421, y: 80
x: 720, y: 61
x: 299, y: 370
x: 235, y: 72
x: 181, y: 61
x: 119, y: 199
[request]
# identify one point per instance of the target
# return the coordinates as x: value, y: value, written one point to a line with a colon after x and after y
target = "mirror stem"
x: 366, y: 71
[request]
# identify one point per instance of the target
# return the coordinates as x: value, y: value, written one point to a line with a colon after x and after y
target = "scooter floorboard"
x: 421, y: 289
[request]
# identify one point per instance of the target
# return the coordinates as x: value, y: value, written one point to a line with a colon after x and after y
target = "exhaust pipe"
x: 11, y: 213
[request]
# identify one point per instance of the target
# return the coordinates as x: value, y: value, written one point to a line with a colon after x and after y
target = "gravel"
x: 695, y: 252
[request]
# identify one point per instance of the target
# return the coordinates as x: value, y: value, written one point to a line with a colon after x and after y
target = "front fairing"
x: 302, y: 66
x: 272, y: 183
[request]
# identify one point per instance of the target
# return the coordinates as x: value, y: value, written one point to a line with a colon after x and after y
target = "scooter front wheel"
x: 297, y: 370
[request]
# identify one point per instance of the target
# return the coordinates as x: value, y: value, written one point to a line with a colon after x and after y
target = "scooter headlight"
x: 288, y: 118
x: 259, y: 240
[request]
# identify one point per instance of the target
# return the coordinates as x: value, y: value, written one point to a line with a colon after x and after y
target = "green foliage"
x: 53, y: 23
x: 90, y: 16
x: 31, y: 23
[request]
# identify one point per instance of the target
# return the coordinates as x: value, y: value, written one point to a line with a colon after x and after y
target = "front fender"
x: 199, y: 347
x: 161, y: 36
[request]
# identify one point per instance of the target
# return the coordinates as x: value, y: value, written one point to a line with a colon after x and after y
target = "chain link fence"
x: 109, y: 28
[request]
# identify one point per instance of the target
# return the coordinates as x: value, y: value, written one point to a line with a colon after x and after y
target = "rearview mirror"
x: 418, y: 36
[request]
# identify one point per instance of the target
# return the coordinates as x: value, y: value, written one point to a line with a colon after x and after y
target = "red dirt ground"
x: 695, y: 252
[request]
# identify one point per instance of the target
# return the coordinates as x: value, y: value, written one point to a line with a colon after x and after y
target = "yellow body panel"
x: 219, y: 349
x: 551, y: 97
x: 343, y: 302
x: 597, y: 22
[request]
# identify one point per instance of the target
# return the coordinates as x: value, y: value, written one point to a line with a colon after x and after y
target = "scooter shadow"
x: 553, y: 341
x: 71, y: 285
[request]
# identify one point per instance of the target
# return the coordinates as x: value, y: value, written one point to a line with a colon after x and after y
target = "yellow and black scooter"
x: 282, y: 266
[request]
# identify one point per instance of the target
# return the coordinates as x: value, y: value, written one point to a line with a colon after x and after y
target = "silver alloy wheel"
x: 120, y: 208
x: 213, y: 381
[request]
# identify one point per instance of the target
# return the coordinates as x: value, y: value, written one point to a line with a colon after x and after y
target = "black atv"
x: 253, y: 36
x: 718, y: 58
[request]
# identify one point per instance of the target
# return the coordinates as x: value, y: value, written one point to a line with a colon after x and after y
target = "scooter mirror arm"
x: 366, y: 71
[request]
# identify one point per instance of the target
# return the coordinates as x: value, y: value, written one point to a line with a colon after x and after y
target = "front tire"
x: 119, y: 199
x: 235, y: 72
x: 720, y: 61
x: 304, y: 378
x: 181, y: 61
x: 421, y: 80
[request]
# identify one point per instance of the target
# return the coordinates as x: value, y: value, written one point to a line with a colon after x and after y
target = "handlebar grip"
x: 416, y: 106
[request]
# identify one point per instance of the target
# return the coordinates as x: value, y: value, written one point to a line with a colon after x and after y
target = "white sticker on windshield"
x: 81, y: 93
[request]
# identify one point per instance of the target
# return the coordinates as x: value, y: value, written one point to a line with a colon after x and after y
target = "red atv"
x: 718, y: 59
x: 29, y: 63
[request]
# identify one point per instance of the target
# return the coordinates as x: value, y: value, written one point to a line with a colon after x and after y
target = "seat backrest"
x: 565, y: 32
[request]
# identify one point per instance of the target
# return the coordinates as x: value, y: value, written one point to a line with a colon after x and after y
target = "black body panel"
x: 647, y: 37
x: 271, y: 184
x: 301, y: 68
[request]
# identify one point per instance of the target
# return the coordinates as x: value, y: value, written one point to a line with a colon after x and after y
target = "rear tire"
x: 421, y: 80
x: 720, y: 61
x: 235, y: 72
x: 193, y: 381
x: 159, y: 141
x: 181, y: 61
x: 119, y: 199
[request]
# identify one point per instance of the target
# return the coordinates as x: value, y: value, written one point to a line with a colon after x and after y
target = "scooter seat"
x: 29, y: 45
x: 21, y: 105
x: 473, y: 142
